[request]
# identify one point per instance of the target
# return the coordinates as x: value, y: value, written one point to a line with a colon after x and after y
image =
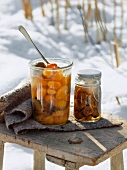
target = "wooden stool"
x: 97, y: 146
x: 39, y: 161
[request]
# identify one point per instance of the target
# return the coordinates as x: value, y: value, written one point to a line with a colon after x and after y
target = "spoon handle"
x: 27, y: 36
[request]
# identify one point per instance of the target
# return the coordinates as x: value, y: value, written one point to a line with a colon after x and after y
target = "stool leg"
x: 116, y: 162
x: 39, y: 160
x: 1, y: 154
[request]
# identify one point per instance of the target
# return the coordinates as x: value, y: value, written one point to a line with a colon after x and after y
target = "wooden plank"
x: 116, y: 162
x: 39, y: 160
x: 64, y: 163
x: 97, y: 146
x: 1, y: 154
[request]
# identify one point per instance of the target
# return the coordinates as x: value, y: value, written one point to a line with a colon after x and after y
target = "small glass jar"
x: 87, y: 95
x: 50, y: 89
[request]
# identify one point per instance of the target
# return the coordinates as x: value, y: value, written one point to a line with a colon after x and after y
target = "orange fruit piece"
x: 52, y: 65
x: 66, y: 80
x: 48, y: 73
x: 58, y: 75
x: 60, y: 104
x: 51, y: 91
x: 58, y: 113
x: 50, y: 99
x: 54, y: 85
x: 49, y: 120
x: 62, y: 92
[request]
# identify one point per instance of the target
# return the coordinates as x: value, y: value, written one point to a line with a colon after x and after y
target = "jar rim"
x: 67, y: 62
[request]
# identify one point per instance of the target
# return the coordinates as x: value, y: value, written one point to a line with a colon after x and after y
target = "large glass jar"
x: 50, y: 89
x: 87, y: 95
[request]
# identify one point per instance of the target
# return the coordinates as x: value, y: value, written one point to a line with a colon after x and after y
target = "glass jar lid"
x: 89, y: 73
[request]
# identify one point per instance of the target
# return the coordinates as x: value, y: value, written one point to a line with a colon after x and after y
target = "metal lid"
x: 89, y: 73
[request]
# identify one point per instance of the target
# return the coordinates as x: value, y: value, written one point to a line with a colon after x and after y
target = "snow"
x: 16, y: 52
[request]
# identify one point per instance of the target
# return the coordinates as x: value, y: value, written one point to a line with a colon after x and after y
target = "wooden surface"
x: 97, y: 145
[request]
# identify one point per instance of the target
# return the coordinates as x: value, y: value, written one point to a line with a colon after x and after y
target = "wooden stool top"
x: 97, y: 145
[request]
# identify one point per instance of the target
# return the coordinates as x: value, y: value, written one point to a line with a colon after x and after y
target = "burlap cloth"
x: 16, y: 111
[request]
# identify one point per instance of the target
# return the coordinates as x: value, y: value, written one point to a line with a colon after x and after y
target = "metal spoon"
x: 27, y: 36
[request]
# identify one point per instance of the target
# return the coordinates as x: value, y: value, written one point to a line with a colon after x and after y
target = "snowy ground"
x: 16, y: 52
